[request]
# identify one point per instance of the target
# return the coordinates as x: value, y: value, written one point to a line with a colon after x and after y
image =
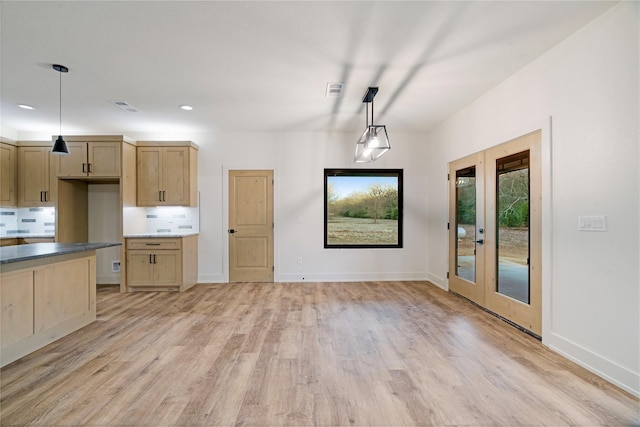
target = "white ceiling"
x: 263, y: 66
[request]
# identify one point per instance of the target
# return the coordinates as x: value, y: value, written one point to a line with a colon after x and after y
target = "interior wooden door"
x: 466, y: 227
x: 250, y: 226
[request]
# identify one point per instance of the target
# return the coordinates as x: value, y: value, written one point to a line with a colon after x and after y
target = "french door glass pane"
x: 512, y: 225
x: 466, y: 223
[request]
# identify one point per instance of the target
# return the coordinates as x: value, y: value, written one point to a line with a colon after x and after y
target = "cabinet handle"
x: 46, y: 196
x: 41, y: 196
x: 160, y: 195
x: 152, y: 244
x: 90, y: 167
x: 154, y: 259
x: 83, y: 168
x: 150, y: 259
x: 164, y: 198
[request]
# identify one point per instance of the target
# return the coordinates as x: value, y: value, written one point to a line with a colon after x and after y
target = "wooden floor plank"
x: 302, y: 354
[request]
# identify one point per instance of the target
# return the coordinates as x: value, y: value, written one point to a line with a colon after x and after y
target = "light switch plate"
x: 592, y: 223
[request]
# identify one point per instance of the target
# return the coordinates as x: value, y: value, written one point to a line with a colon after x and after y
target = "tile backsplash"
x: 27, y: 221
x: 42, y: 221
x: 172, y: 220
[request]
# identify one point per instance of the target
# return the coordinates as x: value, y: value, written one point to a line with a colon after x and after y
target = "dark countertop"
x: 158, y: 235
x: 9, y: 254
x: 28, y: 236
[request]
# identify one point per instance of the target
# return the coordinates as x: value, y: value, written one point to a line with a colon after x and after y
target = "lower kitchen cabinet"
x: 44, y: 299
x: 155, y: 264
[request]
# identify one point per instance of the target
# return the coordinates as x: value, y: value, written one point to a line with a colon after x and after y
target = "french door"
x: 495, y: 230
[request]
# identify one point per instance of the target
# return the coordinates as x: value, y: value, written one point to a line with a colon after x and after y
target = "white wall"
x: 105, y: 226
x: 589, y: 85
x: 298, y: 161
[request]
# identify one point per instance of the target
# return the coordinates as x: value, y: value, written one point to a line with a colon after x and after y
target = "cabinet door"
x: 104, y: 159
x: 149, y: 166
x: 139, y: 268
x: 175, y: 167
x: 34, y: 183
x: 166, y: 268
x: 75, y: 163
x: 16, y: 299
x: 8, y: 175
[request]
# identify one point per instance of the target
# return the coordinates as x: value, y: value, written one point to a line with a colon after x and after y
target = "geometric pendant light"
x: 60, y: 146
x: 374, y: 141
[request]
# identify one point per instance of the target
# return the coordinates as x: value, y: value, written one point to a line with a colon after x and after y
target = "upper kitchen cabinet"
x: 91, y: 157
x: 8, y: 175
x: 167, y: 173
x: 36, y: 176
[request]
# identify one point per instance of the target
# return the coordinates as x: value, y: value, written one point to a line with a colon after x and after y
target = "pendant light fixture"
x: 60, y: 146
x: 374, y: 141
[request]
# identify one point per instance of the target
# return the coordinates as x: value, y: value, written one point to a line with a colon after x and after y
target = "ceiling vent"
x: 124, y: 105
x: 334, y: 90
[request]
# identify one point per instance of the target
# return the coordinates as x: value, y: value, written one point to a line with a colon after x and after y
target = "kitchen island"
x: 47, y: 290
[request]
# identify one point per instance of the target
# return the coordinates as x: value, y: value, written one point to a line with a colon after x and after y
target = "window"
x: 363, y: 208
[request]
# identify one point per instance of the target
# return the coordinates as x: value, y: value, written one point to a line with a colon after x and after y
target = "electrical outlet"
x: 115, y: 266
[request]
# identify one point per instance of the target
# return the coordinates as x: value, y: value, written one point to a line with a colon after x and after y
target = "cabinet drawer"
x: 154, y: 244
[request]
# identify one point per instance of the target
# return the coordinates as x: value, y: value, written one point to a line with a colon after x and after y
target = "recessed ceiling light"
x: 26, y: 106
x: 185, y: 107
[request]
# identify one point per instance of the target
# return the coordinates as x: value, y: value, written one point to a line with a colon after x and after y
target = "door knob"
x: 480, y: 241
x: 232, y: 231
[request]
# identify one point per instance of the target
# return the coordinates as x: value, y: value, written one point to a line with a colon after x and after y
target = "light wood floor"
x: 278, y: 354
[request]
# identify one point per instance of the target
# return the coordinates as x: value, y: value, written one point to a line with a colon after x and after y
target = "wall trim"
x: 351, y: 277
x: 440, y: 282
x: 110, y: 279
x: 211, y: 278
x: 614, y: 373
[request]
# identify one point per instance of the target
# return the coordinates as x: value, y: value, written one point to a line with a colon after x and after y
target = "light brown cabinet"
x: 8, y: 175
x: 37, y: 182
x: 161, y: 263
x: 167, y: 175
x: 96, y: 159
x: 43, y: 300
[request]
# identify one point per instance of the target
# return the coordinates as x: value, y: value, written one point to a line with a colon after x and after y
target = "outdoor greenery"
x: 377, y: 203
x: 467, y: 202
x: 513, y: 199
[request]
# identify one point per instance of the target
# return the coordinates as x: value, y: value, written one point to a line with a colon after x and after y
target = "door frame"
x: 504, y: 134
x: 225, y: 217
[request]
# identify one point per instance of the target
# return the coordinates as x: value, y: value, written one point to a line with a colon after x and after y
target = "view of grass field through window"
x: 363, y: 208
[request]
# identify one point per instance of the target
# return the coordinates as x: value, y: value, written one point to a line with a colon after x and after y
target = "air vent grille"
x: 124, y: 105
x: 334, y: 90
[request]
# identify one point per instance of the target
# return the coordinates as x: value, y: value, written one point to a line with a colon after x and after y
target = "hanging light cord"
x: 371, y: 111
x: 60, y: 106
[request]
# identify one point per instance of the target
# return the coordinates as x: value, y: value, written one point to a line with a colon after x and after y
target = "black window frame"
x: 397, y: 173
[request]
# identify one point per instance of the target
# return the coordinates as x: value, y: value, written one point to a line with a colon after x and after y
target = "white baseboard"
x: 108, y: 279
x: 618, y: 375
x: 211, y: 278
x: 438, y: 281
x: 349, y: 277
